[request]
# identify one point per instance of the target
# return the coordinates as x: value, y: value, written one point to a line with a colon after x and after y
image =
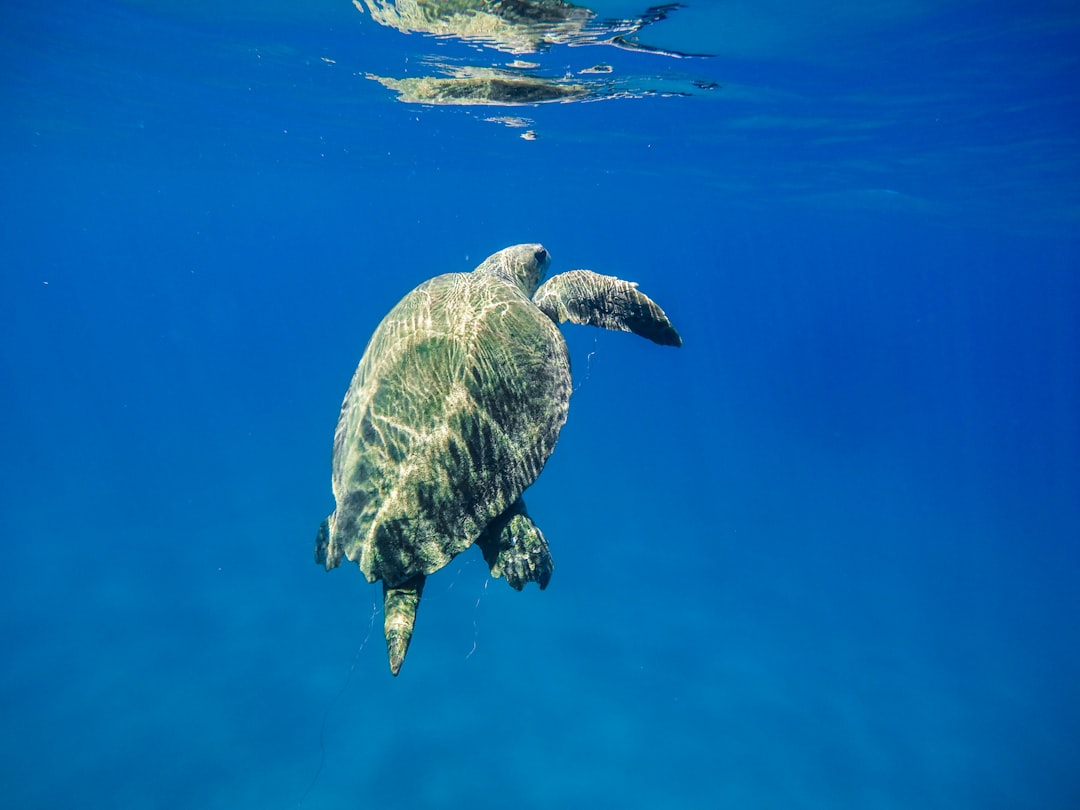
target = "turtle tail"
x: 399, y: 608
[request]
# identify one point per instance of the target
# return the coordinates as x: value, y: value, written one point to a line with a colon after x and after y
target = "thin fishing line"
x: 475, y: 624
x: 334, y: 702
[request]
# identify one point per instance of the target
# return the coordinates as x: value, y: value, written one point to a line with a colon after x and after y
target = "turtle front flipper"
x: 327, y: 554
x: 585, y: 297
x: 515, y: 548
x: 399, y: 608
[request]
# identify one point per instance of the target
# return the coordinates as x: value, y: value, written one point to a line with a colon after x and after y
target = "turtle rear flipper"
x: 515, y: 548
x: 585, y: 297
x: 399, y: 608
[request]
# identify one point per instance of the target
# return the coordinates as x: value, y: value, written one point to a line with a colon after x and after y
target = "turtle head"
x: 523, y: 266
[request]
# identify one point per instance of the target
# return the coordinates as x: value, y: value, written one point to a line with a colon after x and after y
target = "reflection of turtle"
x: 477, y: 86
x: 453, y: 411
x: 472, y: 86
x: 514, y: 26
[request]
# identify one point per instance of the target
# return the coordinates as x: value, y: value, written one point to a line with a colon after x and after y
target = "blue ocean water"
x: 824, y: 555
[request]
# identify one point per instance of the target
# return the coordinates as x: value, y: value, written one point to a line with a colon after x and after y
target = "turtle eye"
x: 541, y: 256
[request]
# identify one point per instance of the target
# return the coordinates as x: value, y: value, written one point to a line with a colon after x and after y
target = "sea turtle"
x: 454, y: 409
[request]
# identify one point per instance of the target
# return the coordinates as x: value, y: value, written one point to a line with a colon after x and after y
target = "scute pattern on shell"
x: 459, y: 400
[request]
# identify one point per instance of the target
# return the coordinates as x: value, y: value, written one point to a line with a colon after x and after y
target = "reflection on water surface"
x: 519, y: 27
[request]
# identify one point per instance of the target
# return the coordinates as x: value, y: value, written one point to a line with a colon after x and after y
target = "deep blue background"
x: 825, y: 555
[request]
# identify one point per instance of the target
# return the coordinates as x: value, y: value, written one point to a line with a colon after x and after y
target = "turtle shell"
x: 454, y: 409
